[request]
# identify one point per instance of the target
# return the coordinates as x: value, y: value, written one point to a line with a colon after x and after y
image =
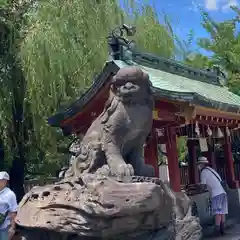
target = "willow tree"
x: 13, y: 122
x: 224, y: 45
x: 65, y: 47
x: 151, y: 35
x: 198, y: 60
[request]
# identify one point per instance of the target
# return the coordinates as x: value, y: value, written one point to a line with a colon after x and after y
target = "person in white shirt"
x: 211, y: 179
x: 8, y: 208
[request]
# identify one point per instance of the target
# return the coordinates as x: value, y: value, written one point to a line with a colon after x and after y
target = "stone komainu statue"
x: 94, y: 205
x: 117, y: 136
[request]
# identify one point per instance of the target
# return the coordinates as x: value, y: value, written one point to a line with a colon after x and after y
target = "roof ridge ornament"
x: 119, y: 44
x: 220, y: 73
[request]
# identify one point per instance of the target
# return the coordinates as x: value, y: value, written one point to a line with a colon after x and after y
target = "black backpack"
x: 3, y: 217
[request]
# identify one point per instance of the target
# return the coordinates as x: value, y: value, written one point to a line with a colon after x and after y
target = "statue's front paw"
x: 123, y: 170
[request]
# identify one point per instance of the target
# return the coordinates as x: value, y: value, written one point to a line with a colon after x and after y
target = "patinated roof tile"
x: 175, y: 86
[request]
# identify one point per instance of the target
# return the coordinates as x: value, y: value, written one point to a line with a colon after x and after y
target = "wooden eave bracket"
x: 188, y: 112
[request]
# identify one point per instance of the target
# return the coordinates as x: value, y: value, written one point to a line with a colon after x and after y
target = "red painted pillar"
x: 151, y: 152
x: 172, y: 156
x: 192, y: 160
x: 229, y: 161
x: 211, y: 155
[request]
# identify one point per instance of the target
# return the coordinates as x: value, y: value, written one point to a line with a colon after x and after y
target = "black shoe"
x: 222, y: 228
x: 217, y: 231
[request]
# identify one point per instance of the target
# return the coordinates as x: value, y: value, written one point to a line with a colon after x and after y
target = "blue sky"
x: 184, y: 14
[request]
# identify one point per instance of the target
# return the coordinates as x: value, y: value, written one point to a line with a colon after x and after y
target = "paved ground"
x: 231, y: 234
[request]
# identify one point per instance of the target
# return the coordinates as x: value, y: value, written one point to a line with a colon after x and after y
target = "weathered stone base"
x: 188, y: 229
x: 99, y: 207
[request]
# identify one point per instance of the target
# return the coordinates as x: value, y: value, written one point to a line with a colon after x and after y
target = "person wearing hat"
x: 211, y: 179
x: 8, y: 208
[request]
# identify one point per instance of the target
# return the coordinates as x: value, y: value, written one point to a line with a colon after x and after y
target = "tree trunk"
x: 19, y: 137
x: 17, y: 178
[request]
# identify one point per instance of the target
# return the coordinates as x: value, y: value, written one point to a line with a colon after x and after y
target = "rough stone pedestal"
x: 100, y: 207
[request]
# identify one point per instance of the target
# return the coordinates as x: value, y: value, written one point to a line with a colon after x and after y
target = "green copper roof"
x: 184, y: 88
x: 170, y: 79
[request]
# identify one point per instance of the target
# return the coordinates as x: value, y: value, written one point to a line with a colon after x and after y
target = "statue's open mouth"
x: 129, y: 89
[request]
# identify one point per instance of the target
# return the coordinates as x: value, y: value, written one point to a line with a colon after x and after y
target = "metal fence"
x: 29, y: 184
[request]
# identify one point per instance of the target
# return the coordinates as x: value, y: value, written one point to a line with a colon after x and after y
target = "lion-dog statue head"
x: 130, y: 86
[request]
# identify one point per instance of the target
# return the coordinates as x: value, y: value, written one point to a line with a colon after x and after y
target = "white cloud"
x: 229, y: 4
x: 194, y: 7
x: 219, y: 5
x: 211, y: 5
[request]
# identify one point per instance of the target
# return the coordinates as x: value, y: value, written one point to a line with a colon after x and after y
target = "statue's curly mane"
x: 109, y: 108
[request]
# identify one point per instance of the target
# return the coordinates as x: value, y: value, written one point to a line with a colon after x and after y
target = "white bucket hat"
x: 4, y: 176
x: 202, y: 160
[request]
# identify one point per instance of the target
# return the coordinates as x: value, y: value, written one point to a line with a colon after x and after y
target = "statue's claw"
x: 123, y: 170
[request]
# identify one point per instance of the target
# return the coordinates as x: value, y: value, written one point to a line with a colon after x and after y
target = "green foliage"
x: 152, y: 36
x: 184, y: 47
x: 63, y: 49
x: 49, y: 56
x: 224, y: 44
x: 234, y: 82
x: 3, y: 3
x: 198, y: 60
x: 182, y: 148
x: 11, y: 81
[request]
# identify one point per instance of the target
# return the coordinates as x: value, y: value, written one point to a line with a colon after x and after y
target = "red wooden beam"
x: 216, y: 121
x: 170, y: 107
x: 165, y: 111
x: 192, y: 160
x: 151, y: 151
x: 229, y: 161
x: 172, y: 156
x: 91, y: 110
x: 162, y: 124
x: 216, y: 113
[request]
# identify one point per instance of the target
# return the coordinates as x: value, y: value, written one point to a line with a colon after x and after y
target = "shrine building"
x: 188, y: 102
